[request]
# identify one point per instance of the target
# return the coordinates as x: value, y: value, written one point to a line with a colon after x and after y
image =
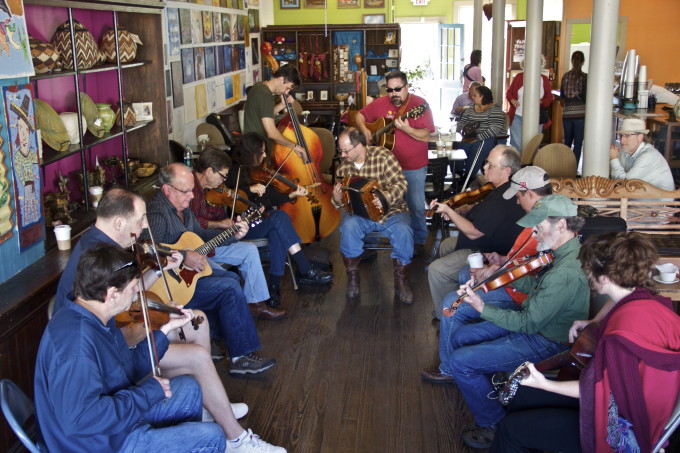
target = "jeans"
x: 471, y: 152
x: 396, y: 228
x: 516, y: 132
x: 279, y: 230
x: 573, y: 134
x: 474, y: 357
x: 221, y: 298
x: 415, y: 199
x: 247, y: 258
x: 174, y: 424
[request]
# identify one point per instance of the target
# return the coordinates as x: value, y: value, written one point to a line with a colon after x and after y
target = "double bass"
x: 314, y: 217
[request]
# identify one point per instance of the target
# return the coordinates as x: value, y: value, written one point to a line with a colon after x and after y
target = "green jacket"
x: 556, y: 298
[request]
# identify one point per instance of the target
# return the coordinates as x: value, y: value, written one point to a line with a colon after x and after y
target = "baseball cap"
x: 527, y: 178
x: 554, y: 205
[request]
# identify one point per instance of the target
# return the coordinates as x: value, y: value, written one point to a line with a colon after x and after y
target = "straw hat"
x: 631, y: 125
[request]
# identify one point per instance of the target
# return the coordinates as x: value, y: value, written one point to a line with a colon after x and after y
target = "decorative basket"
x: 86, y: 47
x: 129, y: 115
x: 126, y: 45
x: 45, y: 56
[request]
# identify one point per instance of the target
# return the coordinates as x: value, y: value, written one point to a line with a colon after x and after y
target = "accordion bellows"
x: 126, y: 45
x: 88, y: 53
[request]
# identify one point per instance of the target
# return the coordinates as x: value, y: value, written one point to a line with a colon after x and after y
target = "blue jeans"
x: 220, y: 296
x: 396, y: 228
x: 247, y: 258
x: 415, y: 199
x: 573, y: 134
x: 174, y: 424
x: 471, y: 151
x: 279, y: 230
x: 516, y: 132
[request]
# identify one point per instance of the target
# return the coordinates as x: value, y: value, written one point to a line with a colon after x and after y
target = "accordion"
x: 358, y: 194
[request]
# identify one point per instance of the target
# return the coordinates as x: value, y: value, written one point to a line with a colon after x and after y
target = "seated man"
x: 637, y: 159
x: 89, y: 389
x: 212, y: 170
x: 486, y: 227
x: 376, y: 163
x: 121, y: 213
x: 556, y: 296
x: 169, y: 217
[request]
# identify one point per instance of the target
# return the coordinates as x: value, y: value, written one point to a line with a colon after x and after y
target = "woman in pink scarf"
x: 627, y: 392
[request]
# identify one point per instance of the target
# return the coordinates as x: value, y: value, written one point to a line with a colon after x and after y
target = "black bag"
x: 601, y: 224
x: 543, y: 115
x: 469, y: 131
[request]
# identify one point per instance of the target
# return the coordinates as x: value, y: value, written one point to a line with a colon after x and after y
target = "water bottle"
x: 188, y: 157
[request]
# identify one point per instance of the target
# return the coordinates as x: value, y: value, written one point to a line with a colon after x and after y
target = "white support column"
x: 532, y: 70
x: 477, y: 26
x: 600, y: 88
x: 498, y: 51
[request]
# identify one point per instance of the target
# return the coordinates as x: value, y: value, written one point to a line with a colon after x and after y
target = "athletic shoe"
x: 253, y: 444
x: 251, y: 364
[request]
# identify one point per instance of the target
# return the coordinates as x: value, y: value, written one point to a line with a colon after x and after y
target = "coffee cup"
x: 449, y: 145
x: 440, y: 146
x: 668, y: 276
x: 63, y: 234
x: 668, y: 272
x: 476, y: 260
x: 96, y: 193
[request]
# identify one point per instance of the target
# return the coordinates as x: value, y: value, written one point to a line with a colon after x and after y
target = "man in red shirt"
x: 410, y: 144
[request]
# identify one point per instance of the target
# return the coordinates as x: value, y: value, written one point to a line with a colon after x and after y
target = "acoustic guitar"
x: 382, y: 128
x: 182, y: 281
x: 569, y: 362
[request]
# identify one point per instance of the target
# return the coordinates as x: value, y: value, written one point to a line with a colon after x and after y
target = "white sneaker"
x: 239, y: 409
x: 253, y: 444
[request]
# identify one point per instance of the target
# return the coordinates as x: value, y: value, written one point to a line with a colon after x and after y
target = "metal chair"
x: 18, y: 408
x: 262, y: 245
x: 669, y: 428
x: 557, y: 159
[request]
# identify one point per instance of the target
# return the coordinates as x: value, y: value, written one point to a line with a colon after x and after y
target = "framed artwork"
x: 289, y: 4
x: 219, y: 60
x: 226, y: 27
x: 391, y: 63
x: 207, y: 26
x: 374, y: 18
x: 185, y: 25
x: 393, y: 53
x: 173, y: 31
x: 349, y: 4
x: 188, y: 66
x: 315, y: 3
x: 255, y: 45
x: 310, y: 95
x: 254, y: 20
x: 374, y: 4
x: 143, y: 111
x: 14, y: 42
x: 217, y: 27
x: 323, y: 95
x: 390, y: 37
x: 196, y: 27
x: 210, y: 62
x: 199, y: 63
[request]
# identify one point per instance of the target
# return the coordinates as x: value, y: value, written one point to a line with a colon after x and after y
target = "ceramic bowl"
x: 146, y: 169
x: 341, y: 97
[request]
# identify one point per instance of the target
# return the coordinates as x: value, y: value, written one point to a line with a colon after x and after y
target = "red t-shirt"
x: 411, y: 153
x: 528, y: 250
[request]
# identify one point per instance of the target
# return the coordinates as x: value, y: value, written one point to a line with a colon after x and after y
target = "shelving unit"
x: 666, y: 138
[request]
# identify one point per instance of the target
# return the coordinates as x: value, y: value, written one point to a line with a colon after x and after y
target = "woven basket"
x: 45, y: 56
x: 126, y: 45
x: 130, y: 117
x: 86, y: 46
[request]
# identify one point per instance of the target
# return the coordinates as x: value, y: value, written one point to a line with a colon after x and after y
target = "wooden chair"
x: 213, y: 133
x: 529, y: 150
x: 557, y: 159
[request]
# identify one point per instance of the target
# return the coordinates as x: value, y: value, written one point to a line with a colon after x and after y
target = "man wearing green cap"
x: 556, y: 297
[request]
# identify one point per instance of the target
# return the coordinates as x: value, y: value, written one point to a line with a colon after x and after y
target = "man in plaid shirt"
x: 374, y: 163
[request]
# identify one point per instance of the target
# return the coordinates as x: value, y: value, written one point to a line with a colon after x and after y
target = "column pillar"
x: 477, y: 26
x: 532, y: 70
x: 498, y: 51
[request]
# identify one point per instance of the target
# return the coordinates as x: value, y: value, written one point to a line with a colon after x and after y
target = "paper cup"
x: 63, y: 234
x: 476, y: 260
x: 449, y: 146
x: 96, y: 193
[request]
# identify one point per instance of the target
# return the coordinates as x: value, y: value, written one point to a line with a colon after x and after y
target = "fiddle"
x: 159, y: 313
x: 264, y: 175
x: 464, y: 198
x: 504, y: 277
x: 148, y: 251
x: 223, y: 196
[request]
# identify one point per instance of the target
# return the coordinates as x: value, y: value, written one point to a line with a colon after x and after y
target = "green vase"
x: 106, y: 115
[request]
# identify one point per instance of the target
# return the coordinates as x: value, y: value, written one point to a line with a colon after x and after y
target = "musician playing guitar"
x: 410, y: 143
x: 634, y: 372
x: 556, y: 297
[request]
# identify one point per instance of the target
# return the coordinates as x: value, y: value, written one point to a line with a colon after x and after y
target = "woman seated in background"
x: 628, y: 390
x: 480, y: 124
x: 462, y: 102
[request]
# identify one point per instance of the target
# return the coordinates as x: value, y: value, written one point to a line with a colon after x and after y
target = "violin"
x: 505, y: 276
x: 159, y: 313
x: 463, y: 198
x: 147, y: 253
x: 223, y: 196
x: 265, y: 175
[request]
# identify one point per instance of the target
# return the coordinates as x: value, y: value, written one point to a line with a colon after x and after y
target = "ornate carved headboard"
x: 645, y: 207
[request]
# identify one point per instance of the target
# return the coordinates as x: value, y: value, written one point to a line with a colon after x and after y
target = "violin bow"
x: 150, y: 340
x: 278, y: 169
x: 474, y: 162
x: 233, y: 205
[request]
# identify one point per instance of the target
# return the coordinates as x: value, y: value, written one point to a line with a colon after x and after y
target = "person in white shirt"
x: 637, y: 159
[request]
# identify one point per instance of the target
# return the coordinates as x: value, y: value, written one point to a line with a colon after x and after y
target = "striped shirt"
x: 381, y: 165
x: 491, y: 121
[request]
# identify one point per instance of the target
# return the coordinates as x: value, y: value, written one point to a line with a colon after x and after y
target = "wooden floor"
x: 347, y: 374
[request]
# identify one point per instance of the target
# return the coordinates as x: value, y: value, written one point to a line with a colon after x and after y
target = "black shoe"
x: 274, y: 296
x: 316, y: 276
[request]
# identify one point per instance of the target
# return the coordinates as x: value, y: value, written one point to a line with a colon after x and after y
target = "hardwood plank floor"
x: 347, y: 375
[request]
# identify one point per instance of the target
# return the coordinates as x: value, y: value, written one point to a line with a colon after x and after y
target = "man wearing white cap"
x: 637, y: 159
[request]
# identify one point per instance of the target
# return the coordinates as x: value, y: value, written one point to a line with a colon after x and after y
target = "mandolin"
x: 382, y: 128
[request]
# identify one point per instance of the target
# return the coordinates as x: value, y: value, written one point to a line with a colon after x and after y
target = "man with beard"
x: 556, y: 297
x: 410, y: 144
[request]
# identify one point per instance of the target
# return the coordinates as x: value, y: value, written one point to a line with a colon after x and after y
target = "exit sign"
x: 420, y: 2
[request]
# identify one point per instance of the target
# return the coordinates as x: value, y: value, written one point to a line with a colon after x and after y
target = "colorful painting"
x: 234, y: 58
x: 15, y: 54
x: 228, y: 63
x: 374, y: 3
x: 234, y: 27
x: 228, y: 90
x: 6, y: 222
x: 315, y: 3
x: 188, y: 65
x: 253, y: 3
x: 217, y: 27
x: 196, y: 27
x: 289, y: 4
x: 241, y: 23
x: 177, y: 93
x: 254, y: 20
x: 199, y: 63
x: 23, y: 143
x: 185, y: 25
x: 201, y: 101
x: 174, y: 35
x: 219, y: 60
x: 210, y: 62
x: 207, y: 26
x: 349, y: 3
x: 241, y: 56
x: 226, y: 27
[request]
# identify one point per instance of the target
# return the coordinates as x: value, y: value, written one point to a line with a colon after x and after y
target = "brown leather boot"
x: 352, y: 265
x: 401, y: 288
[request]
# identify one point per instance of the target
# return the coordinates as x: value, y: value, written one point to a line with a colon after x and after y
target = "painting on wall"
x: 228, y: 64
x: 212, y: 95
x: 23, y: 144
x: 174, y: 40
x: 349, y: 4
x: 256, y: 51
x: 201, y: 101
x: 253, y: 3
x: 177, y: 93
x: 254, y: 20
x: 374, y: 18
x: 6, y: 217
x: 315, y: 3
x: 210, y: 62
x: 199, y: 63
x: 374, y: 3
x: 217, y: 27
x: 207, y: 26
x: 289, y: 4
x: 188, y: 65
x: 196, y: 27
x: 241, y: 23
x: 228, y: 90
x: 219, y: 60
x: 185, y: 25
x: 234, y: 27
x: 15, y: 60
x: 226, y: 27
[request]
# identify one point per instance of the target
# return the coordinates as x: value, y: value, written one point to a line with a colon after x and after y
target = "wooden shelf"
x: 102, y: 68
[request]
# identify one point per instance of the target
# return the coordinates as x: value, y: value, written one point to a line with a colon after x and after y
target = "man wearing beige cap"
x: 556, y: 296
x: 637, y: 159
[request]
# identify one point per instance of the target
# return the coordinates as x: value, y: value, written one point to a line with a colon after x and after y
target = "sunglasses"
x: 398, y: 89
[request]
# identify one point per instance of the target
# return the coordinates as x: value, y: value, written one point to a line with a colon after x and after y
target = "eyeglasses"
x: 346, y: 151
x: 132, y: 263
x: 491, y: 164
x: 628, y: 135
x: 398, y: 89
x: 224, y: 177
x: 184, y: 191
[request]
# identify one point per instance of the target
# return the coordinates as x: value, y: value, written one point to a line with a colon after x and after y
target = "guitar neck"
x: 217, y: 240
x: 410, y: 114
